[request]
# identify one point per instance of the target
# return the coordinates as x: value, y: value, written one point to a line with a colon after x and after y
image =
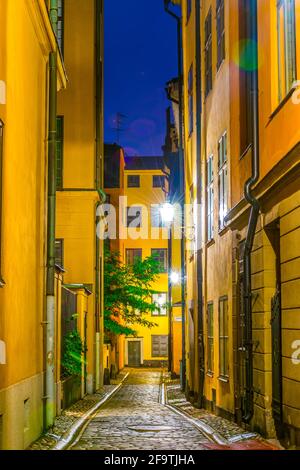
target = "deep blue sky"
x: 140, y: 57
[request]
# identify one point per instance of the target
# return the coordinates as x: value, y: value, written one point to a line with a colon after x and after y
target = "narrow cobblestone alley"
x: 134, y: 419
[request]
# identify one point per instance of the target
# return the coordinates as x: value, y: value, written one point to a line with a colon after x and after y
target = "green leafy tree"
x: 73, y: 348
x: 128, y: 294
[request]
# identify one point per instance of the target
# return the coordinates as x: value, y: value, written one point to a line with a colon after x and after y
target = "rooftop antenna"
x: 118, y: 122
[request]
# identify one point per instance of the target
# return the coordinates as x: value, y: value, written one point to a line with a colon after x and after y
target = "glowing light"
x: 244, y: 55
x: 174, y: 277
x: 167, y: 213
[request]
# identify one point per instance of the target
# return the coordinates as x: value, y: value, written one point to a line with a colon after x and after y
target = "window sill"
x: 281, y: 104
x: 245, y: 151
x: 222, y: 231
x: 223, y: 379
x: 210, y: 374
x: 2, y: 283
x: 210, y: 243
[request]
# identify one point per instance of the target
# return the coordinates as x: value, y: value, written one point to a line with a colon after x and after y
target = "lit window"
x: 210, y: 198
x: 223, y: 181
x: 286, y: 46
x: 161, y: 300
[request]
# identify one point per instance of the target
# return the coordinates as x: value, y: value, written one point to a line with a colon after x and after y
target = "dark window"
x: 59, y: 252
x: 159, y: 346
x: 60, y: 24
x: 134, y: 217
x: 133, y: 255
x: 111, y: 168
x: 210, y: 337
x: 1, y: 163
x: 191, y: 98
x: 223, y: 337
x: 133, y: 181
x: 158, y: 181
x: 161, y: 300
x: 189, y: 4
x: 59, y: 151
x: 208, y: 53
x: 220, y: 32
x: 161, y: 255
x: 245, y: 51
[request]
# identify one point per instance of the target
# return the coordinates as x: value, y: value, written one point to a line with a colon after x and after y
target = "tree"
x: 128, y: 294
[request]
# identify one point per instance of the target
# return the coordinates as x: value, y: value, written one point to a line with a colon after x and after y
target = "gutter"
x: 255, y: 208
x: 182, y: 180
x: 50, y: 284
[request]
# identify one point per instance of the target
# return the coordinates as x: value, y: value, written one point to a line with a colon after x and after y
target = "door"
x: 134, y: 353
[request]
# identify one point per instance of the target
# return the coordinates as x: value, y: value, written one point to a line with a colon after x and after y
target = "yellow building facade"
x: 27, y: 39
x: 251, y: 338
x: 80, y: 169
x: 144, y: 186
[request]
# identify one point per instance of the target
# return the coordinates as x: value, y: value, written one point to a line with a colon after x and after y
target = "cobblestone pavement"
x: 71, y: 415
x: 135, y: 420
x: 236, y: 437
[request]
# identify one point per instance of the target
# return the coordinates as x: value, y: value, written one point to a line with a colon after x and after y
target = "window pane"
x: 134, y: 217
x: 133, y: 181
x: 161, y: 255
x: 158, y: 181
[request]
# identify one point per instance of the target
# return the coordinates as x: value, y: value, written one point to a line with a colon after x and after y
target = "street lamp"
x: 174, y: 277
x: 167, y: 213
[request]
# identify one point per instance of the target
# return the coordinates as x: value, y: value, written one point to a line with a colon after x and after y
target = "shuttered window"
x: 210, y: 338
x: 223, y: 337
x: 220, y: 32
x: 160, y: 346
x: 59, y: 151
x: 208, y: 53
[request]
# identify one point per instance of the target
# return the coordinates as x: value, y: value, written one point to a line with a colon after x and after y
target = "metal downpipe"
x: 50, y: 411
x: 255, y: 207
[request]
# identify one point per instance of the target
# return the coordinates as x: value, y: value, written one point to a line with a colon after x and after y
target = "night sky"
x: 140, y: 57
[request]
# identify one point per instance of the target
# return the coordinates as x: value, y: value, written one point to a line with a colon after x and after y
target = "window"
x: 191, y: 99
x: 208, y: 53
x: 59, y: 252
x: 60, y: 24
x: 223, y: 181
x: 1, y: 158
x: 223, y: 337
x: 160, y: 299
x: 220, y: 32
x: 210, y: 198
x: 133, y: 181
x: 245, y: 52
x: 188, y: 9
x: 134, y: 217
x: 133, y: 255
x: 161, y: 254
x: 160, y: 346
x: 158, y: 181
x: 59, y: 151
x: 210, y: 337
x: 286, y: 40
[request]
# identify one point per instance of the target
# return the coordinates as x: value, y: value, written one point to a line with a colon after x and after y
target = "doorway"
x: 134, y: 353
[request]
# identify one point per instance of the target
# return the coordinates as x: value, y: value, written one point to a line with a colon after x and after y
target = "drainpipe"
x: 255, y: 207
x: 99, y: 184
x: 50, y: 287
x: 200, y: 339
x: 182, y: 181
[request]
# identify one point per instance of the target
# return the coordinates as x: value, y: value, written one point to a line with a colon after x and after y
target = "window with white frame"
x: 223, y: 180
x: 161, y: 300
x: 286, y: 45
x: 210, y: 198
x: 223, y: 337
